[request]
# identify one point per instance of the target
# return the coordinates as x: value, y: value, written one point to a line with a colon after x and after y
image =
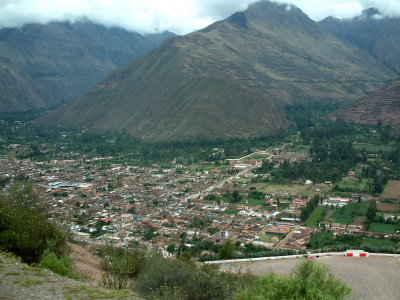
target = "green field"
x: 321, y: 239
x: 346, y: 214
x: 381, y: 227
x: 243, y: 180
x: 373, y: 148
x: 353, y: 185
x: 231, y: 211
x: 312, y: 220
x: 378, y: 243
x: 300, y: 148
x: 292, y: 189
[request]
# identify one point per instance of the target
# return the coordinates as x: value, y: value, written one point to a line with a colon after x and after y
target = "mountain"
x: 375, y: 34
x: 17, y: 91
x: 230, y: 79
x: 57, y: 62
x: 384, y: 106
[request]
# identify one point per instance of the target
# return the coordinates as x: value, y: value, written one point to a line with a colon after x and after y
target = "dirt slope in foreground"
x: 20, y: 281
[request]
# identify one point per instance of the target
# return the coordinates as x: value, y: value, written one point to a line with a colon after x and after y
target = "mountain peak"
x: 231, y: 79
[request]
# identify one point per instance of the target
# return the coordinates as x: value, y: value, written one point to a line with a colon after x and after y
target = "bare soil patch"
x: 360, y: 220
x: 86, y: 264
x: 387, y: 207
x: 392, y: 190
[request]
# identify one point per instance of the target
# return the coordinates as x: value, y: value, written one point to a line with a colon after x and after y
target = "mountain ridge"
x: 270, y: 52
x: 381, y: 106
x: 61, y: 61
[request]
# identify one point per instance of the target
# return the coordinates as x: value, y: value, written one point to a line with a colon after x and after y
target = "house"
x: 338, y: 227
x: 297, y: 203
x: 81, y: 236
x: 126, y: 218
x: 354, y: 228
x: 224, y: 234
x: 326, y: 225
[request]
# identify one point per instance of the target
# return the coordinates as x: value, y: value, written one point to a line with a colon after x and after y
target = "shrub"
x: 308, y: 280
x: 178, y: 279
x: 26, y: 232
x: 120, y: 264
x: 59, y: 265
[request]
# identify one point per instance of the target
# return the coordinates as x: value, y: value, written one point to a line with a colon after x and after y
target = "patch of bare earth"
x: 86, y: 264
x: 372, y: 278
x: 392, y: 190
x: 20, y: 281
x: 386, y: 207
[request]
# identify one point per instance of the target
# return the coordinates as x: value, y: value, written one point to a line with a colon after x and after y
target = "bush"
x: 120, y: 264
x: 309, y: 280
x: 27, y: 233
x: 178, y: 279
x: 61, y: 266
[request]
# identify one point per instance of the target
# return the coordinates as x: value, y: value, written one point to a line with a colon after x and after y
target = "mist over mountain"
x: 45, y: 65
x: 378, y: 35
x: 230, y: 79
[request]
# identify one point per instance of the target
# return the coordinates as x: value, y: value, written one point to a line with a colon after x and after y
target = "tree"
x: 24, y: 230
x: 121, y: 264
x: 371, y: 212
x: 227, y: 250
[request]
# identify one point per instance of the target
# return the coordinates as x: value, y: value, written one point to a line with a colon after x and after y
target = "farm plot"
x: 392, y: 190
x: 382, y: 227
x: 387, y: 207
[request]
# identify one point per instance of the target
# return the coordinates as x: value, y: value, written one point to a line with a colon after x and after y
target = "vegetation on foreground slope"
x: 154, y: 277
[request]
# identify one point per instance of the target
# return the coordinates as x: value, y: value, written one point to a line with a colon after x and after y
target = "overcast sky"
x: 179, y: 16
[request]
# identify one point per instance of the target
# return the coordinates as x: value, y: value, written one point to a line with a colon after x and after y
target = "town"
x: 198, y: 207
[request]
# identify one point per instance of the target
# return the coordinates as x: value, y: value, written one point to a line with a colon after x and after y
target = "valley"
x: 161, y: 166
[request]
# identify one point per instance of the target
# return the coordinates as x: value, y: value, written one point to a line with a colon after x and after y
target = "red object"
x: 349, y: 254
x: 363, y: 254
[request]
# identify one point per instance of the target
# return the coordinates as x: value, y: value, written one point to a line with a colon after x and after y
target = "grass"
x: 345, y: 214
x: 243, y: 180
x: 300, y: 148
x: 320, y: 239
x: 379, y: 243
x: 392, y: 189
x: 83, y: 292
x: 316, y: 215
x: 12, y: 274
x: 382, y: 227
x: 231, y: 211
x: 293, y: 189
x: 27, y: 282
x: 353, y: 185
x: 373, y: 148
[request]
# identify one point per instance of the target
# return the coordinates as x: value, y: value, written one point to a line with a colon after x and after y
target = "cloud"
x: 179, y: 16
